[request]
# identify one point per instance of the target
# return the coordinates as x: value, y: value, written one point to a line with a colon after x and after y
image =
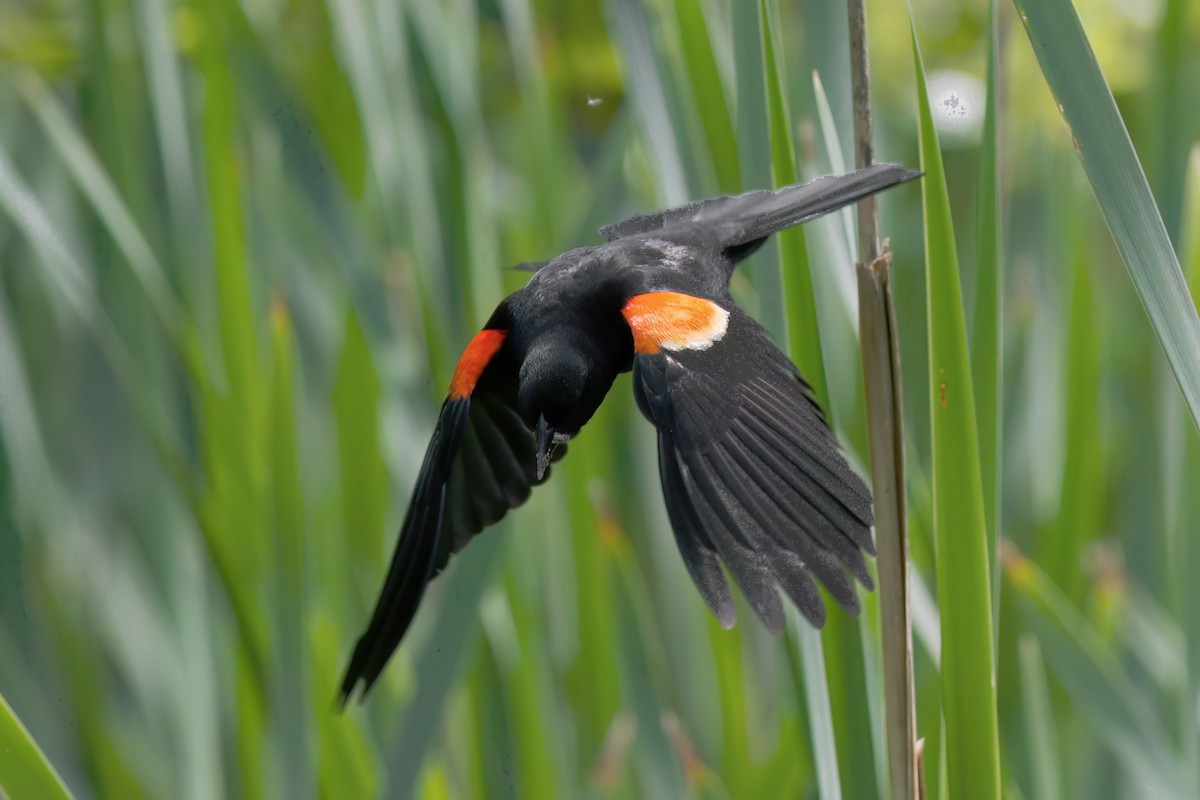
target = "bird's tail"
x: 744, y: 221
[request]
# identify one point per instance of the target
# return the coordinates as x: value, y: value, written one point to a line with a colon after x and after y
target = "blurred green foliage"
x: 241, y: 245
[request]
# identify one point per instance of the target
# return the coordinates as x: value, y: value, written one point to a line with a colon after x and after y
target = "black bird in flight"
x: 751, y: 474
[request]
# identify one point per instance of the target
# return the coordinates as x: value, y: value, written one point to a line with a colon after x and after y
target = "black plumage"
x: 752, y: 477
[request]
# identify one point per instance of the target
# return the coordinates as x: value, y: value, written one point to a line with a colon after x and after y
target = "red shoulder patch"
x: 479, y: 353
x: 674, y: 321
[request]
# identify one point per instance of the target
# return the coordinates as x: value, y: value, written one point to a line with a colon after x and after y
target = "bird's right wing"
x: 751, y: 475
x: 480, y: 463
x: 745, y: 218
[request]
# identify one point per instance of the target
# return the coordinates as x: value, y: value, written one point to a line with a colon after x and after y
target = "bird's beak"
x: 547, y: 440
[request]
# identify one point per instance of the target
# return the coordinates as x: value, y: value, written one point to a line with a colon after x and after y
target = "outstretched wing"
x: 480, y: 463
x: 747, y: 218
x: 751, y: 474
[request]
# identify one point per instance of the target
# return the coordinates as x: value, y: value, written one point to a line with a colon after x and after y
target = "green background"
x: 242, y: 244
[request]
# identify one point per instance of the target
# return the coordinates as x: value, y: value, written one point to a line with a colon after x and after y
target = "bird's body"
x: 571, y: 307
x: 751, y: 475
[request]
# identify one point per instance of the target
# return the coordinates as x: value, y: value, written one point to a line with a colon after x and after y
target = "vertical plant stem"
x: 987, y: 359
x: 881, y: 375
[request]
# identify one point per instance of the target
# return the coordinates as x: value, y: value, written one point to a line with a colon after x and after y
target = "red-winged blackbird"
x: 751, y: 474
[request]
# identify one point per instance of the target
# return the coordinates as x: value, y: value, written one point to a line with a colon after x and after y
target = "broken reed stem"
x: 881, y: 379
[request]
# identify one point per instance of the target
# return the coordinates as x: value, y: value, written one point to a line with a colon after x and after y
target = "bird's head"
x: 560, y: 388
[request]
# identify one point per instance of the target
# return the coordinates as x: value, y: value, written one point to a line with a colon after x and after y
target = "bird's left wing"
x: 480, y: 463
x: 751, y: 474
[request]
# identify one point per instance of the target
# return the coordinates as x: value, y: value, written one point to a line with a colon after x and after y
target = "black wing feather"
x: 413, y: 561
x: 725, y: 522
x: 788, y: 532
x: 752, y: 474
x: 700, y: 555
x: 480, y: 463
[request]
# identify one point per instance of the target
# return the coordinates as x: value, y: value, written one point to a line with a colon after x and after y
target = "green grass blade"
x: 25, y: 772
x: 322, y: 84
x: 853, y: 656
x: 534, y: 718
x: 289, y: 686
x: 1041, y: 738
x: 1192, y: 247
x: 598, y: 665
x: 839, y: 233
x: 708, y: 91
x: 239, y: 348
x: 545, y: 149
x: 29, y: 480
x: 1153, y: 639
x: 926, y: 621
x: 754, y: 154
x: 92, y: 179
x: 164, y: 84
x: 660, y: 756
x: 346, y: 765
x: 64, y: 276
x: 1188, y: 552
x: 648, y: 96
x: 455, y: 615
x: 251, y: 727
x: 803, y: 336
x: 987, y: 356
x: 1080, y: 515
x: 1102, y: 688
x: 356, y: 396
x: 236, y: 519
x: 804, y: 345
x: 731, y: 688
x: 960, y: 529
x: 750, y: 118
x: 832, y: 241
x: 820, y: 712
x: 870, y: 692
x: 1175, y: 50
x: 1120, y: 186
x: 837, y: 163
x: 72, y: 287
